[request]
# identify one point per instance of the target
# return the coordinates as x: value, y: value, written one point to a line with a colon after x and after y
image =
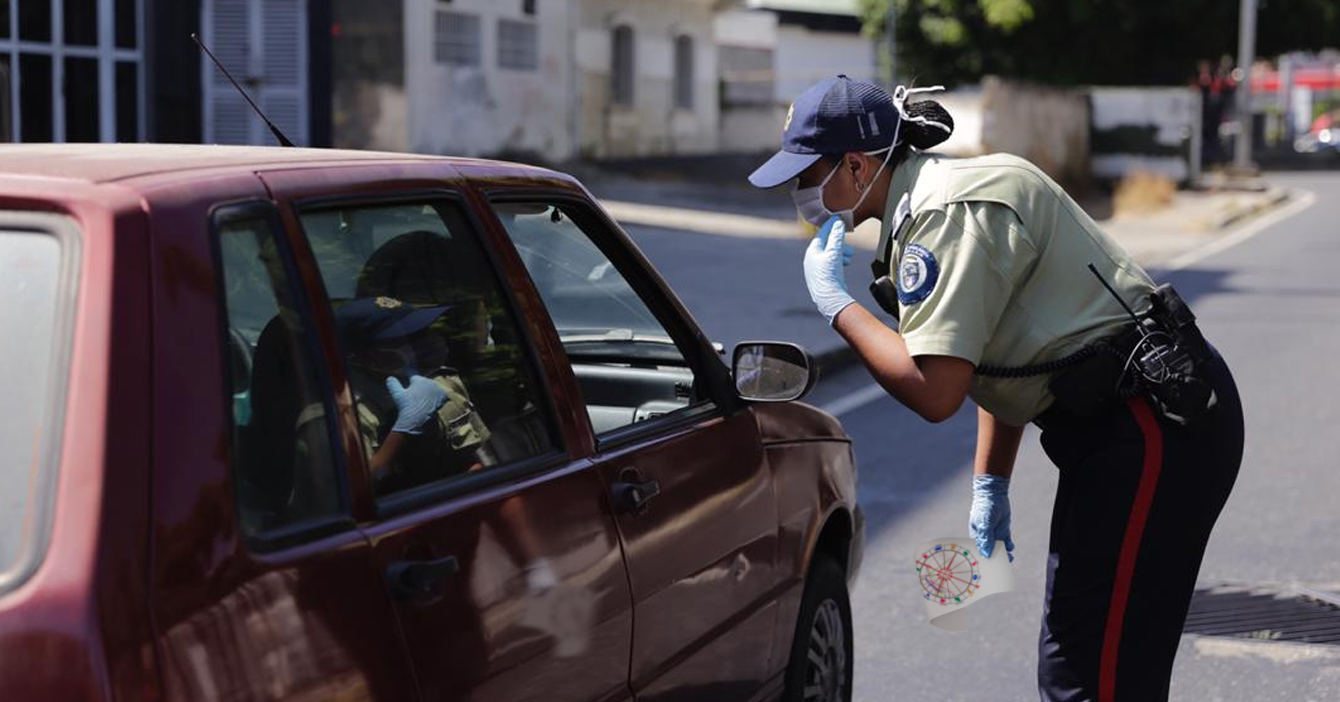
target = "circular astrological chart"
x: 948, y: 574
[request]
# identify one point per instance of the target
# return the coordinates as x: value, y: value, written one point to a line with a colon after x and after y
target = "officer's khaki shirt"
x: 992, y: 267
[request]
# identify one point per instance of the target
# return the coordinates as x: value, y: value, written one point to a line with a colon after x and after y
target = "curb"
x: 1273, y: 197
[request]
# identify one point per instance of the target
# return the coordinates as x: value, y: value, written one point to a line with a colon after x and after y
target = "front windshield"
x: 595, y: 310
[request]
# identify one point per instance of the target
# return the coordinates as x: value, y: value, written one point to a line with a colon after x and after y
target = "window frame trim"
x: 430, y: 494
x: 69, y: 235
x: 305, y: 531
x: 612, y: 242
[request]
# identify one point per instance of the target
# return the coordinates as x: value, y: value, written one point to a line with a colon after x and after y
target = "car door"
x: 262, y: 585
x: 496, y: 544
x: 692, y: 492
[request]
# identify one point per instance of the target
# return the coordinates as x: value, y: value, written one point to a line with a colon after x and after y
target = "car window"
x: 36, y: 283
x: 434, y: 355
x: 627, y: 364
x: 283, y: 462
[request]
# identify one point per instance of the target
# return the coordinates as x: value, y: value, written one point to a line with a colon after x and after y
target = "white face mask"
x: 810, y: 201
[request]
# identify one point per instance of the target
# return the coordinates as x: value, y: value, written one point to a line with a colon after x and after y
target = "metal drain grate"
x: 1267, y: 613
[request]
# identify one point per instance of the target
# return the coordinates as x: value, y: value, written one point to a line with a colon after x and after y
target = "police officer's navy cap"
x: 368, y: 319
x: 834, y: 116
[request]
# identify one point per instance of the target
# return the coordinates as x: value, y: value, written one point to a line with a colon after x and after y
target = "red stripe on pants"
x: 1130, y: 545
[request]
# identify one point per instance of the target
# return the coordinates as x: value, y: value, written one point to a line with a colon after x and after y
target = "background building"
x: 543, y: 79
x: 127, y: 70
x: 772, y: 50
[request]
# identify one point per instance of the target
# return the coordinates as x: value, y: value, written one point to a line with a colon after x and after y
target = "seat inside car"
x: 285, y: 444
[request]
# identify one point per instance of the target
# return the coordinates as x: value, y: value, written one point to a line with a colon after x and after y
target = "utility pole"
x: 891, y: 43
x: 1242, y: 156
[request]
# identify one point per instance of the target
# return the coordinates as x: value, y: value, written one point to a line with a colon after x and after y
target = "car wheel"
x: 821, y: 653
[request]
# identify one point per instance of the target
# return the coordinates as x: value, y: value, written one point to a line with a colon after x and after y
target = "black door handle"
x: 417, y: 580
x: 631, y: 493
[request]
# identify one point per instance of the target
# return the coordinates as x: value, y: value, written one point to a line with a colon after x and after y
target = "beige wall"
x: 486, y: 110
x: 1047, y: 126
x: 652, y: 125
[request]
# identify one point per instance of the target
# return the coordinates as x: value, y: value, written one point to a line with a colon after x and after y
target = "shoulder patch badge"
x: 917, y: 274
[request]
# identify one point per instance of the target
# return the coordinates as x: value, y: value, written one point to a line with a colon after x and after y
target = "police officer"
x: 416, y: 427
x: 999, y: 283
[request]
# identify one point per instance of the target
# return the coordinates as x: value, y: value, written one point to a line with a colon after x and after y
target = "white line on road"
x: 691, y: 220
x: 855, y: 400
x: 1303, y: 199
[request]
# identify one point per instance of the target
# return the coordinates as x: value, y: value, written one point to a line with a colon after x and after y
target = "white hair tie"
x: 900, y: 94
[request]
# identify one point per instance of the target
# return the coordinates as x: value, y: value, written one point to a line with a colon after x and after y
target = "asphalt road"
x: 1271, y: 304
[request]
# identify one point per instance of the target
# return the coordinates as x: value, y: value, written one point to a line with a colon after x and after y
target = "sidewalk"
x: 733, y: 253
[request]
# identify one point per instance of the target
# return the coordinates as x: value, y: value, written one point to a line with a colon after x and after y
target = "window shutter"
x: 284, y: 67
x: 263, y: 43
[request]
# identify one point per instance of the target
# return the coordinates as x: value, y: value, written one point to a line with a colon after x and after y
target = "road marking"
x: 705, y: 222
x: 855, y: 400
x: 1276, y: 651
x: 1302, y: 200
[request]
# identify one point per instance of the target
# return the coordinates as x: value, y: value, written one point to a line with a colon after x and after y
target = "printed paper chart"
x: 948, y: 573
x: 951, y: 576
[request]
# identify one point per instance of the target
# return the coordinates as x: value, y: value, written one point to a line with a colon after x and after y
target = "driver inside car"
x: 417, y: 422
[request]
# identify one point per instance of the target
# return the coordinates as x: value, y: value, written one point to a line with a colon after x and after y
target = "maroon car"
x: 325, y: 425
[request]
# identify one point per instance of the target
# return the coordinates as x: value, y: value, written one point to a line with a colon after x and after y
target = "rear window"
x: 36, y: 296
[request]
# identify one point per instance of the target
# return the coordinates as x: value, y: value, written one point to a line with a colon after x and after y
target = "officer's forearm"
x: 931, y: 386
x: 997, y: 445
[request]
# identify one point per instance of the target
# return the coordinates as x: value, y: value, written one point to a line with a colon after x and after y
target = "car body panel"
x: 484, y: 619
x: 148, y: 590
x: 312, y: 620
x: 78, y: 627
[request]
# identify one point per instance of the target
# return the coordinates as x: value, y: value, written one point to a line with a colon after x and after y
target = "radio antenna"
x: 283, y: 140
x: 1093, y: 269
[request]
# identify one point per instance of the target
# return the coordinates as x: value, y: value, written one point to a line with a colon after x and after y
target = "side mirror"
x: 773, y: 371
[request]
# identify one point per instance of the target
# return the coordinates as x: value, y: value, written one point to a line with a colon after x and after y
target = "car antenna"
x: 283, y: 140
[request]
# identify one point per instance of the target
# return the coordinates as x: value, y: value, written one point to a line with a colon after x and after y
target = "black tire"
x: 816, y: 666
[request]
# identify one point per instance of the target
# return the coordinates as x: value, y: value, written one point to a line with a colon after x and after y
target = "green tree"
x: 1118, y: 42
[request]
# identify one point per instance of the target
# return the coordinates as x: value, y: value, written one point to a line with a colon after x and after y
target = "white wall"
x: 805, y: 57
x: 485, y: 109
x: 652, y: 125
x: 756, y: 28
x: 1171, y: 114
x: 749, y: 128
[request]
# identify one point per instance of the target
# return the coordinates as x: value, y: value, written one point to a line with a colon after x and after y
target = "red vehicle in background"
x: 208, y: 498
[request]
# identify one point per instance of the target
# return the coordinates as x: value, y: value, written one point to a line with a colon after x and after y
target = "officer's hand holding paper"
x: 989, y: 520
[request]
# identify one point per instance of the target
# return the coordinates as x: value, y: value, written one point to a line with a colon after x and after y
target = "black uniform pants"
x: 1137, y: 499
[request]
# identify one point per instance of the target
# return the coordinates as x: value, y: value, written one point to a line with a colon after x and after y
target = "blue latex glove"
x: 989, y: 519
x: 825, y: 257
x: 415, y: 404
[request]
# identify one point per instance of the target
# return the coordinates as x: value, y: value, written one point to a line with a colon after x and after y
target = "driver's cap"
x: 835, y: 116
x: 371, y: 319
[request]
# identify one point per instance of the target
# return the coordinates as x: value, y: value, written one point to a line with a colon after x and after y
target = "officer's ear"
x: 860, y: 167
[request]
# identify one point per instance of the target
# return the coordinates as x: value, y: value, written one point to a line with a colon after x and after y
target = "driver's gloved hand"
x: 415, y: 403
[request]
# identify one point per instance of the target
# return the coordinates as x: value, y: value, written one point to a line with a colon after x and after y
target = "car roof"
x: 102, y: 163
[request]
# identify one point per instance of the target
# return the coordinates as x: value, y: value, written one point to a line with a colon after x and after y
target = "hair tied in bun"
x: 925, y: 124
